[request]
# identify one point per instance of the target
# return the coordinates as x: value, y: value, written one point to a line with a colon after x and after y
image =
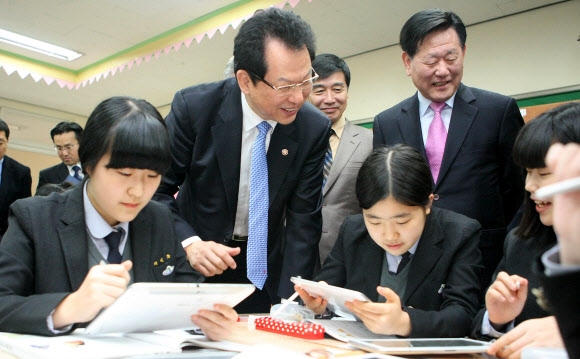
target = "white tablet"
x: 145, y: 307
x: 421, y: 346
x: 336, y: 296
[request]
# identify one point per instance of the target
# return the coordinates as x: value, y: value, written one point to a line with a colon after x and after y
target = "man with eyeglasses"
x: 247, y: 161
x: 66, y: 137
x: 15, y: 179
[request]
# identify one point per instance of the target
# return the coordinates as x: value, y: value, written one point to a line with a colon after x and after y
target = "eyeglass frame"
x: 291, y: 87
x: 65, y: 147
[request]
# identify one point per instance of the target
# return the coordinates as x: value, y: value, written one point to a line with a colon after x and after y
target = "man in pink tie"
x: 466, y: 134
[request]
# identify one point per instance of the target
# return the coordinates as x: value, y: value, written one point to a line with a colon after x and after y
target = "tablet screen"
x: 421, y: 346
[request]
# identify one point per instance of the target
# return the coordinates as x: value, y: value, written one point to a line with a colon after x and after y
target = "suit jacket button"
x: 227, y: 238
x: 436, y: 197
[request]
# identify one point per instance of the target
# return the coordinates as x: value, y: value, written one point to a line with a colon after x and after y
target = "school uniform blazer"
x: 519, y: 256
x: 478, y: 177
x: 55, y: 174
x: 15, y: 184
x: 562, y: 292
x: 443, y: 277
x: 44, y: 256
x: 205, y: 128
x: 339, y: 192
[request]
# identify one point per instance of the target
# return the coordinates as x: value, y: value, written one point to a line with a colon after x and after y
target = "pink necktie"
x: 436, y: 140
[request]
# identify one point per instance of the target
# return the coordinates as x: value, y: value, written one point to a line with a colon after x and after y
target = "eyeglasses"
x: 65, y: 147
x: 305, y: 86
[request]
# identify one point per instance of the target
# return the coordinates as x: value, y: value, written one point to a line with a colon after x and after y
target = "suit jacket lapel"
x: 348, y: 144
x: 410, y: 125
x: 227, y: 137
x: 74, y: 246
x: 462, y: 118
x: 427, y: 254
x: 281, y: 152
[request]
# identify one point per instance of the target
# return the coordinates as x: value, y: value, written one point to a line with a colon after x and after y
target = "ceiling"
x: 127, y: 47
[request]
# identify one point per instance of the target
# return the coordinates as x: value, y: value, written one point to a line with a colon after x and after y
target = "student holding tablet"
x: 511, y: 311
x: 56, y: 259
x: 418, y: 264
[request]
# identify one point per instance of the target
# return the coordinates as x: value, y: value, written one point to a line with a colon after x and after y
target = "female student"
x: 436, y: 293
x: 510, y: 301
x: 53, y: 275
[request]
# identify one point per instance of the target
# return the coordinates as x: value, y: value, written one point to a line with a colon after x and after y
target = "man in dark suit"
x: 66, y: 137
x: 469, y: 145
x: 349, y: 147
x: 15, y: 179
x: 216, y: 133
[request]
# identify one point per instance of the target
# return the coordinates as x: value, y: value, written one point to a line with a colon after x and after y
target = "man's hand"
x: 535, y: 333
x: 383, y: 318
x: 505, y: 298
x: 216, y: 324
x: 210, y: 258
x: 101, y: 287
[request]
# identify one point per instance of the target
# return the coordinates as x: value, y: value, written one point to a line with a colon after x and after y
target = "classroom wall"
x: 524, y: 55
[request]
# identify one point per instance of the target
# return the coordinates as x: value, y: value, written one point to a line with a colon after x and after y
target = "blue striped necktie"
x: 327, y: 161
x: 257, y: 255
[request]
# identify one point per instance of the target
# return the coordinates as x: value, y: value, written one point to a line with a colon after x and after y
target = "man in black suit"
x: 215, y: 128
x: 66, y: 137
x: 15, y: 179
x: 473, y: 171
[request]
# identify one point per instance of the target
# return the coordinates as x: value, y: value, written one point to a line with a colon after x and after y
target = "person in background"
x: 247, y: 161
x: 511, y: 306
x: 66, y: 137
x: 417, y: 263
x: 66, y: 257
x: 229, y: 69
x: 15, y: 179
x: 349, y: 147
x: 559, y: 267
x: 465, y: 134
x: 49, y: 188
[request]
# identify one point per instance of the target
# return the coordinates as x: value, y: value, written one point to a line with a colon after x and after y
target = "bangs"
x: 140, y: 142
x: 532, y: 144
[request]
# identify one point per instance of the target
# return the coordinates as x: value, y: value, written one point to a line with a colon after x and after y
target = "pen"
x: 285, y: 304
x: 549, y: 191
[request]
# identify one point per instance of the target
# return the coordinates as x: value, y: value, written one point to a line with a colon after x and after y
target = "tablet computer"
x: 336, y: 296
x: 146, y: 307
x: 421, y: 346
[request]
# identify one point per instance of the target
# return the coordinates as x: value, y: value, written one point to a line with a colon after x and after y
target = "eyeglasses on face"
x: 65, y: 147
x: 305, y: 86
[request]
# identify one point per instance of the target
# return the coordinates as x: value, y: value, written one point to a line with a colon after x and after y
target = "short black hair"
x: 49, y: 188
x: 4, y: 127
x: 326, y: 65
x: 560, y: 124
x: 64, y: 127
x: 266, y: 25
x: 426, y: 22
x: 131, y: 130
x: 399, y: 171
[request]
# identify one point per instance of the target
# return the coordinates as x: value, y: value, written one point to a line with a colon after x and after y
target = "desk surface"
x: 242, y: 334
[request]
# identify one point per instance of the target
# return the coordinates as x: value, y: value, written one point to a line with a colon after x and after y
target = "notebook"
x: 147, y: 307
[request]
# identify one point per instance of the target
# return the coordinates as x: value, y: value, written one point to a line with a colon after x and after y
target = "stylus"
x: 551, y: 190
x: 285, y: 304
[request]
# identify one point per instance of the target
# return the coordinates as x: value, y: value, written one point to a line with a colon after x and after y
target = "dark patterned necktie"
x: 404, y: 261
x: 113, y: 240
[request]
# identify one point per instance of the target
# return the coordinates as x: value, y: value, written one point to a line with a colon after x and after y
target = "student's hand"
x: 564, y: 162
x: 537, y: 333
x: 102, y: 286
x: 317, y: 305
x: 383, y: 318
x: 218, y: 323
x: 210, y: 258
x: 503, y: 300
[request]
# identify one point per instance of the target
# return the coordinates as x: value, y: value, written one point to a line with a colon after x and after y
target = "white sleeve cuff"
x: 488, y: 329
x: 186, y: 242
x: 50, y: 325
